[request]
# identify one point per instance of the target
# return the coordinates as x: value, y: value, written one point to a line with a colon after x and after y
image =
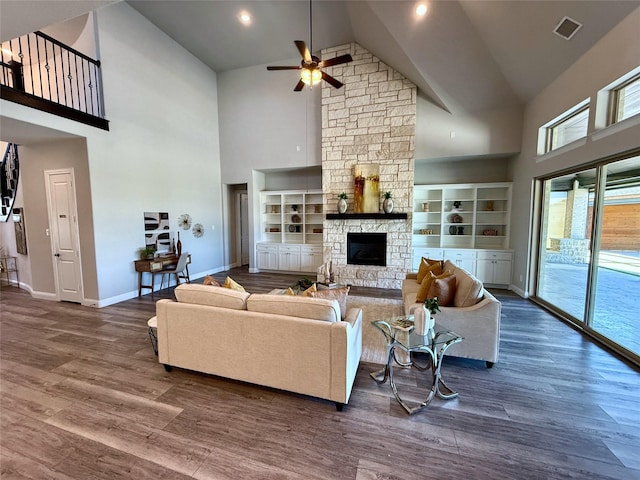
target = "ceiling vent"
x: 567, y: 28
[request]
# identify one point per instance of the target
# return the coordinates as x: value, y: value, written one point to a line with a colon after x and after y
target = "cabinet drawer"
x: 460, y: 254
x: 291, y: 249
x: 310, y: 249
x: 494, y: 255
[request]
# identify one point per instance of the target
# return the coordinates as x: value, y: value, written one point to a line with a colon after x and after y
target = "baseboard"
x: 52, y: 297
x: 519, y: 291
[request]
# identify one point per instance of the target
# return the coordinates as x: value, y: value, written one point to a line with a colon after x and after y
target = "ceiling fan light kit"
x: 311, y: 66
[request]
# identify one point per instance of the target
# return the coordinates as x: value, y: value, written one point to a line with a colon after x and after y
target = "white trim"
x: 45, y: 296
x: 519, y: 291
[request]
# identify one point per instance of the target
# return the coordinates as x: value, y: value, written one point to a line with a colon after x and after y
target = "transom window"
x: 625, y: 100
x: 569, y: 128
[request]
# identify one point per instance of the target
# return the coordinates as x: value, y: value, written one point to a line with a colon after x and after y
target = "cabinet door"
x: 267, y: 258
x: 485, y: 270
x: 310, y: 258
x: 465, y: 259
x: 418, y: 253
x: 502, y: 272
x: 289, y: 258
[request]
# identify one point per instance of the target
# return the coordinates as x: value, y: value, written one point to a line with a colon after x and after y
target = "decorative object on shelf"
x: 488, y: 205
x: 317, y: 230
x: 447, y: 207
x: 460, y: 230
x: 387, y: 203
x: 274, y: 229
x: 426, y: 231
x: 178, y: 246
x: 296, y: 219
x: 425, y: 207
x: 455, y: 218
x: 457, y: 206
x: 453, y: 230
x: 489, y: 232
x: 294, y: 208
x: 317, y: 209
x: 184, y: 221
x: 342, y: 203
x: 197, y: 230
x: 274, y: 209
x: 366, y: 193
x: 292, y: 228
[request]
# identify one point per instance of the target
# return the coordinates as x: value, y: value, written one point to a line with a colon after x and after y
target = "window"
x: 570, y: 127
x: 625, y: 100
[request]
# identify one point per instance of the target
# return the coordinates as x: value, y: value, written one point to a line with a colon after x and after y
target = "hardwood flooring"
x: 83, y: 397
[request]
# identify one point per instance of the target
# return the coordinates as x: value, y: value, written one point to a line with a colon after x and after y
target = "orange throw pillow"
x: 444, y: 288
x: 423, y: 291
x: 209, y: 280
x: 425, y: 267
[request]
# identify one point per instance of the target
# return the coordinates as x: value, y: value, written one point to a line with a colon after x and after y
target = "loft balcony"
x: 40, y: 72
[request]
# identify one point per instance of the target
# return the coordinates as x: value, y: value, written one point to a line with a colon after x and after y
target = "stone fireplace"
x: 367, y: 249
x: 369, y: 120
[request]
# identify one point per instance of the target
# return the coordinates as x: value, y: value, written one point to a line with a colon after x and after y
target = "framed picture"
x: 366, y: 191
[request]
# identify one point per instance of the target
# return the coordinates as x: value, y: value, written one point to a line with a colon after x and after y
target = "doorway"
x: 239, y: 225
x: 64, y: 234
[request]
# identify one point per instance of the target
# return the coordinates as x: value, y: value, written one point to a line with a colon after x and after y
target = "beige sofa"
x: 286, y: 342
x: 478, y: 323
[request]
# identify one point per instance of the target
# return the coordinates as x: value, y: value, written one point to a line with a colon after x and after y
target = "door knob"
x: 56, y: 254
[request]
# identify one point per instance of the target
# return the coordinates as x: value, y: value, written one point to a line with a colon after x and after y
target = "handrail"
x: 41, y: 72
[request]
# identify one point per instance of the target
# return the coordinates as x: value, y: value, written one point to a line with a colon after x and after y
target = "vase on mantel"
x: 387, y: 205
x: 178, y: 246
x: 342, y: 205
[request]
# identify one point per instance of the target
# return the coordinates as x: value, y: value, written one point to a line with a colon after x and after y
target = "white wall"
x: 615, y: 54
x: 161, y: 153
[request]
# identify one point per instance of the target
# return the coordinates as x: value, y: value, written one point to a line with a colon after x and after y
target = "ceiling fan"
x: 311, y: 66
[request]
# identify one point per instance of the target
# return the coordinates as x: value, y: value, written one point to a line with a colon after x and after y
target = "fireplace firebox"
x: 367, y: 249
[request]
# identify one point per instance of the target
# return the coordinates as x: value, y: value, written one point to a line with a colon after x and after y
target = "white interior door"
x: 65, y: 243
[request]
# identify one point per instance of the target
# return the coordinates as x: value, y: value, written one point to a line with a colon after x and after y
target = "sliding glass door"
x: 589, y: 256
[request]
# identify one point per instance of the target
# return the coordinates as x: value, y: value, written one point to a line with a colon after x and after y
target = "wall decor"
x: 366, y: 194
x: 197, y: 230
x: 184, y: 221
x: 18, y: 225
x: 157, y: 230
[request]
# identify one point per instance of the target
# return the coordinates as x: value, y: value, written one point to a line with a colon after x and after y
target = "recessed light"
x: 422, y: 9
x: 244, y: 17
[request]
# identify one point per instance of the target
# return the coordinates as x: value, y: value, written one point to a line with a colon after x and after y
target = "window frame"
x: 549, y: 129
x: 614, y: 100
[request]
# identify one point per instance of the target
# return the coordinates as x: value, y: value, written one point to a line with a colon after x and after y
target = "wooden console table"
x: 153, y: 266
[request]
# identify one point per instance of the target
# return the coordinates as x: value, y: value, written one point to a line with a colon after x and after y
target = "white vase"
x: 387, y: 205
x: 342, y: 205
x: 421, y: 320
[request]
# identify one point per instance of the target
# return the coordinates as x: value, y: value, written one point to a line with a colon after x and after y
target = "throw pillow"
x: 209, y: 280
x: 426, y: 267
x: 444, y: 288
x: 340, y: 294
x: 233, y: 285
x: 308, y: 292
x: 289, y: 291
x: 423, y: 291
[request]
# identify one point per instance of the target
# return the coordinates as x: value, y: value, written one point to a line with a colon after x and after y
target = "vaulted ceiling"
x: 466, y: 55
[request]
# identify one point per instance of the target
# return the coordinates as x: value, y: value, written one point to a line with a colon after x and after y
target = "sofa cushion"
x: 468, y: 288
x: 423, y: 291
x: 295, y: 306
x: 211, y: 296
x: 444, y: 288
x: 340, y: 294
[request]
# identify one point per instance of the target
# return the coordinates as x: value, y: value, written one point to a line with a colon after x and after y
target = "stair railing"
x: 41, y: 66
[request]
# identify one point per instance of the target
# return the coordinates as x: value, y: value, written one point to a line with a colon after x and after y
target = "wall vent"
x: 567, y: 28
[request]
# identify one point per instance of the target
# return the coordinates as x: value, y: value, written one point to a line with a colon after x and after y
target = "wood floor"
x: 83, y: 397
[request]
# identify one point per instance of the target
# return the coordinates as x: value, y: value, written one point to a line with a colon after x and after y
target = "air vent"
x: 567, y: 28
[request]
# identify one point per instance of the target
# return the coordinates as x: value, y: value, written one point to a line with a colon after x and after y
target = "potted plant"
x: 387, y: 204
x: 147, y: 253
x: 423, y: 317
x: 342, y: 202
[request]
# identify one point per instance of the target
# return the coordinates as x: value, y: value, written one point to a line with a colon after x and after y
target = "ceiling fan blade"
x: 284, y: 68
x: 330, y: 62
x: 304, y: 51
x: 329, y: 79
x: 299, y: 86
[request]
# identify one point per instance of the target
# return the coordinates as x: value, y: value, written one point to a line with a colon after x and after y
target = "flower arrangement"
x: 431, y: 304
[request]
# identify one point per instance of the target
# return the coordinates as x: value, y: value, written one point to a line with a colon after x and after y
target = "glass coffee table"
x: 399, y: 334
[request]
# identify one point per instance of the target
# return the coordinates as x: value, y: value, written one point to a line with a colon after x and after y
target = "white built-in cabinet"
x: 467, y: 224
x: 291, y: 227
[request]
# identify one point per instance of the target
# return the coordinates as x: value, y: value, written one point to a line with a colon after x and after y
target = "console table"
x: 153, y: 266
x: 8, y: 265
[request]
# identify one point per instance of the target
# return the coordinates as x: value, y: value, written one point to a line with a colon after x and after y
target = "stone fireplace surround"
x: 369, y: 120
